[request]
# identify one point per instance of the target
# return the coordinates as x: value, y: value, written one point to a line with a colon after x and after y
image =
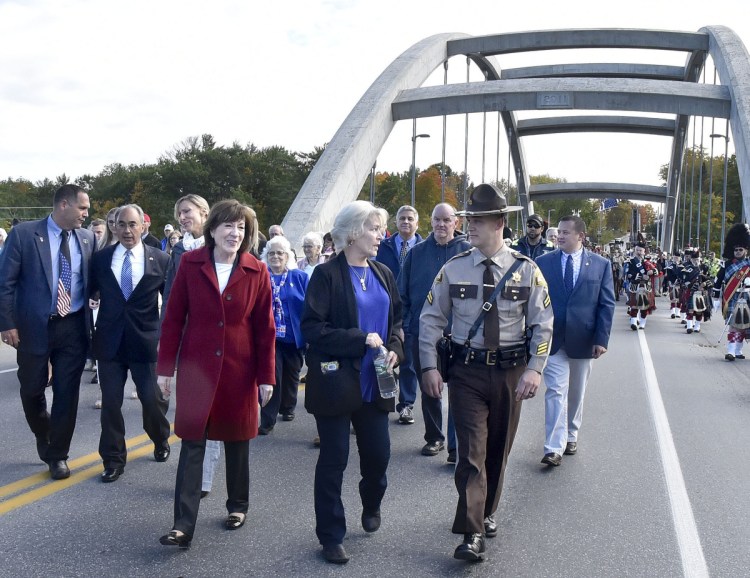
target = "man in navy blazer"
x: 392, y: 253
x: 127, y: 278
x: 583, y: 300
x: 43, y: 314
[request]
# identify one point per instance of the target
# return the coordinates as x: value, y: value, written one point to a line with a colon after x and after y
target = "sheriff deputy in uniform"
x: 486, y: 384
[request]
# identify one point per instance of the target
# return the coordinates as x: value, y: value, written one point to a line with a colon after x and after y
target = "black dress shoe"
x: 371, y: 521
x: 287, y: 416
x: 42, y: 445
x: 111, y: 474
x: 471, y: 549
x: 433, y: 448
x: 729, y: 357
x: 58, y: 469
x: 235, y: 521
x: 571, y: 448
x: 175, y: 538
x: 552, y: 459
x: 739, y: 356
x: 204, y: 493
x: 451, y: 457
x: 634, y: 327
x: 162, y: 454
x: 264, y: 431
x: 490, y: 526
x: 335, y: 554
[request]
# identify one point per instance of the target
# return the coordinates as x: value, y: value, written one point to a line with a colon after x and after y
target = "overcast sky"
x: 87, y: 83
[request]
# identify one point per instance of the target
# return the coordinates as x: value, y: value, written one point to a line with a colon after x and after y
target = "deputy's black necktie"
x: 491, y: 320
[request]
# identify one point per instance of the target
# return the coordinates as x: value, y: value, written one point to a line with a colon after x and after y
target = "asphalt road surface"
x: 658, y: 488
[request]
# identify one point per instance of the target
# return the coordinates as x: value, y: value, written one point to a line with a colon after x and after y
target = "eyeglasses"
x: 738, y: 249
x: 533, y: 226
x: 276, y: 253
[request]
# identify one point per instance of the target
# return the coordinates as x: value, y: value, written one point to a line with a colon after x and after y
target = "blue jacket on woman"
x: 293, y: 294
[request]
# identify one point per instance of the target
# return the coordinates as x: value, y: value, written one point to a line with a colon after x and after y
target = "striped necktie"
x: 65, y: 280
x: 126, y: 276
x: 402, y: 255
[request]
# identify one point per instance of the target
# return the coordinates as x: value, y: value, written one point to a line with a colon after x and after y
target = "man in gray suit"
x: 43, y: 315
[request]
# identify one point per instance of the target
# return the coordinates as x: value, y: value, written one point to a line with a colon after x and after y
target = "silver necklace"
x: 362, y: 279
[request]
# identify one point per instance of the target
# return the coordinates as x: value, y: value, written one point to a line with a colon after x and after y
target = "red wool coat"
x: 226, y: 347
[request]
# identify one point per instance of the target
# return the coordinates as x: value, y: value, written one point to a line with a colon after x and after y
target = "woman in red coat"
x: 219, y: 320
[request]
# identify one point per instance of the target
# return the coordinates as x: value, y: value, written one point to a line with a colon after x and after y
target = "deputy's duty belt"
x: 504, y: 357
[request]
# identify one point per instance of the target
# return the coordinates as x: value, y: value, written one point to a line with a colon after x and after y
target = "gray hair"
x: 136, y: 208
x: 349, y: 224
x: 314, y: 238
x: 280, y: 243
x: 552, y: 231
x: 404, y: 208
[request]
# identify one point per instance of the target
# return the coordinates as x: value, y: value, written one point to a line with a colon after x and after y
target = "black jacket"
x: 127, y: 328
x: 330, y: 327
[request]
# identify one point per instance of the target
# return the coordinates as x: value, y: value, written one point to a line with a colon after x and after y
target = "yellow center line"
x: 75, y: 478
x: 41, y: 477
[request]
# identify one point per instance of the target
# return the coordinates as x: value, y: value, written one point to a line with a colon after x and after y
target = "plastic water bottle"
x: 386, y: 381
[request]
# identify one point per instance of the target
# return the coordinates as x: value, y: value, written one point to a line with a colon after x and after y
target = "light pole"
x: 724, y: 189
x: 414, y: 138
x: 549, y: 211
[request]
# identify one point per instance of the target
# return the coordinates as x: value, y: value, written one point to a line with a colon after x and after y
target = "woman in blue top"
x: 351, y: 309
x: 288, y: 284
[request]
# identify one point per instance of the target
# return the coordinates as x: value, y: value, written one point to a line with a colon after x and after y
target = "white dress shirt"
x: 137, y: 263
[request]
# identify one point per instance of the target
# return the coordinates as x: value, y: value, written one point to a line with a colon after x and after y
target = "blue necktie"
x: 66, y: 276
x: 569, y: 275
x: 126, y: 276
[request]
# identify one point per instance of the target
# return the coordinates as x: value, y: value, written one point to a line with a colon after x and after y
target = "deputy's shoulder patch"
x: 439, y: 277
x: 539, y: 279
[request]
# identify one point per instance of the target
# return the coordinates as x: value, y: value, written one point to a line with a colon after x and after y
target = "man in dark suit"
x: 583, y: 301
x: 128, y: 278
x: 43, y: 314
x: 392, y: 253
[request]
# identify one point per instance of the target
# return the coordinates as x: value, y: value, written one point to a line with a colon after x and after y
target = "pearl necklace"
x: 362, y: 279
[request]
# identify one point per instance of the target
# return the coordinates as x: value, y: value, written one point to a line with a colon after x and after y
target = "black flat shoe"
x: 335, y: 554
x: 204, y: 493
x: 371, y: 521
x: 235, y: 521
x: 176, y: 538
x: 490, y: 526
x: 472, y: 548
x: 162, y: 454
x: 571, y: 448
x: 111, y: 474
x: 58, y: 469
x: 552, y: 459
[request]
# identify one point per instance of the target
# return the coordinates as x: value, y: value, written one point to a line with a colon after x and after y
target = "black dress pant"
x: 284, y: 399
x: 67, y: 354
x: 374, y: 445
x: 187, y: 492
x: 112, y: 377
x: 486, y: 415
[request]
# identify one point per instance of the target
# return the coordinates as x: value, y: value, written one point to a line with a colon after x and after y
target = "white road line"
x: 691, y: 551
x: 9, y: 370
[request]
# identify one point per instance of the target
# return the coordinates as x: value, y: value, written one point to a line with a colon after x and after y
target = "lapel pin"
x: 41, y: 239
x: 85, y: 241
x: 150, y: 258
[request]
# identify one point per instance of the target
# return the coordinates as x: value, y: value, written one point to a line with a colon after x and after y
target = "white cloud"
x: 88, y: 83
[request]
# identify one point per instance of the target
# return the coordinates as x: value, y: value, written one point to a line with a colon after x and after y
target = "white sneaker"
x: 406, y: 416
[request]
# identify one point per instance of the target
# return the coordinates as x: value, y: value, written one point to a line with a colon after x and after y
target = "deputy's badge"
x: 429, y: 296
x: 516, y: 277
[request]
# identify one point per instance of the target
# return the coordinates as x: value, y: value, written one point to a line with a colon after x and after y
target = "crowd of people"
x: 227, y: 319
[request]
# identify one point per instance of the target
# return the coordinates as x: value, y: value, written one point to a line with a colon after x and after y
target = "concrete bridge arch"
x: 639, y: 88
